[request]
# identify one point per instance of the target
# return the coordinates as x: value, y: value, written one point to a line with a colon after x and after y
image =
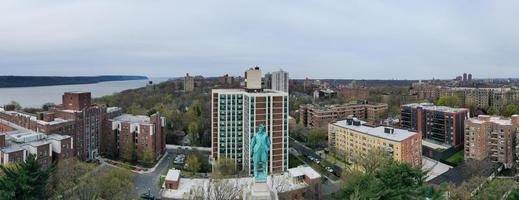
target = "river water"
x: 37, y: 96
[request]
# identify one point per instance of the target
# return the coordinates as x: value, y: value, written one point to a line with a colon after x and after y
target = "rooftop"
x: 430, y: 106
x: 265, y: 91
x: 141, y: 119
x: 493, y: 119
x: 304, y: 170
x: 434, y: 145
x: 57, y: 137
x: 112, y: 109
x: 187, y: 185
x: 434, y: 168
x: 467, y: 170
x: 398, y: 134
x: 34, y: 118
x: 173, y: 175
x: 334, y: 106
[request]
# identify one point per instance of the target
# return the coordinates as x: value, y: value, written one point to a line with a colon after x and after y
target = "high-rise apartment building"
x: 442, y: 128
x: 352, y: 138
x: 87, y: 122
x: 189, y: 83
x: 280, y: 81
x: 492, y: 138
x: 319, y: 116
x: 441, y: 124
x: 267, y: 81
x: 236, y: 116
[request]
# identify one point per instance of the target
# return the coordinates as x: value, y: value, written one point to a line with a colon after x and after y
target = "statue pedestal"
x: 259, y: 191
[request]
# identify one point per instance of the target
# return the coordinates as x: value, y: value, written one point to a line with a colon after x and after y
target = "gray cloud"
x: 318, y: 39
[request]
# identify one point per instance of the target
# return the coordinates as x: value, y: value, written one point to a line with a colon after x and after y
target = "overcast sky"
x: 361, y: 39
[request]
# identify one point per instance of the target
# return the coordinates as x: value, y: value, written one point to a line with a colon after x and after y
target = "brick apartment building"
x: 320, y: 116
x: 141, y: 132
x: 441, y: 127
x: 15, y: 146
x: 469, y: 97
x: 236, y: 116
x: 492, y: 138
x: 84, y: 122
x: 352, y: 138
x: 87, y: 120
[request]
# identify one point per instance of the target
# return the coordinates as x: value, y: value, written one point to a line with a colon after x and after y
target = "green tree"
x: 24, y: 180
x: 450, y: 101
x: 386, y: 179
x: 147, y: 157
x: 16, y: 105
x: 67, y: 175
x: 131, y: 152
x: 316, y: 136
x: 296, y: 131
x: 511, y: 109
x: 193, y: 131
x: 514, y: 195
x: 193, y: 164
x: 224, y: 167
x: 378, y: 158
x: 113, y: 183
x: 493, y: 111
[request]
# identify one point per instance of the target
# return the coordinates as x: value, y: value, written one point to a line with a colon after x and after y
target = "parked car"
x: 329, y: 169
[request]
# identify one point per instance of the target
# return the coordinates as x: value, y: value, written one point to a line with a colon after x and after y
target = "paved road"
x: 150, y: 181
x: 329, y: 187
x: 143, y: 182
x: 310, y: 152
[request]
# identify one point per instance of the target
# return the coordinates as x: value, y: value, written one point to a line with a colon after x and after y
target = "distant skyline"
x: 317, y: 39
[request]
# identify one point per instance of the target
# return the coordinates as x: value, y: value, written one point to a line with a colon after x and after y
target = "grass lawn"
x: 457, y: 158
x: 495, y: 189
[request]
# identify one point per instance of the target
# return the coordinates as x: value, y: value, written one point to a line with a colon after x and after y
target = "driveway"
x: 150, y: 181
x: 145, y: 181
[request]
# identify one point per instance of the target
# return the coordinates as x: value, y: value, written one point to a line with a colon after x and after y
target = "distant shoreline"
x: 36, y: 81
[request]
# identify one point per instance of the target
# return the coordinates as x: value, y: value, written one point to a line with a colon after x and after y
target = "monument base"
x: 259, y: 191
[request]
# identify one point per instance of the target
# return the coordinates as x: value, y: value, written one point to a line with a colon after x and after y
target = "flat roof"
x: 430, y: 106
x: 243, y: 91
x: 493, y: 119
x: 187, y: 185
x: 304, y: 170
x: 173, y: 175
x: 434, y: 145
x: 141, y: 119
x: 434, y: 168
x: 398, y: 134
x: 112, y: 109
x: 11, y: 149
x: 57, y: 136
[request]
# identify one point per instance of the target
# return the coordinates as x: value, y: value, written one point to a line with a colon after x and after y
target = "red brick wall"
x: 16, y: 156
x: 67, y: 150
x: 411, y: 150
x: 2, y: 140
x: 76, y: 101
x: 44, y: 154
x: 5, y: 128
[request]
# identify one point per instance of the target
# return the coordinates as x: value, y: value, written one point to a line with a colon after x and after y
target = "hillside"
x: 30, y: 81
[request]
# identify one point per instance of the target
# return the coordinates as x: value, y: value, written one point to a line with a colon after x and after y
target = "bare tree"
x: 219, y: 189
x: 280, y: 183
x: 375, y: 159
